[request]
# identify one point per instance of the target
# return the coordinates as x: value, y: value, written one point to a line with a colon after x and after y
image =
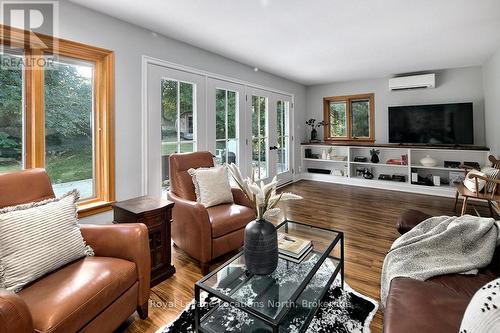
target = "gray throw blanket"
x: 440, y: 245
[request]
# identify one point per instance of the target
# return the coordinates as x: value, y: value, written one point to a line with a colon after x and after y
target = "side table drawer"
x: 154, y: 219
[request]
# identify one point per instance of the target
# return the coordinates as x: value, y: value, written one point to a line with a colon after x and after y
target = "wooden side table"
x: 156, y: 214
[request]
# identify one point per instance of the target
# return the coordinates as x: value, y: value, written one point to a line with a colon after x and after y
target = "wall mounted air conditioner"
x: 413, y: 82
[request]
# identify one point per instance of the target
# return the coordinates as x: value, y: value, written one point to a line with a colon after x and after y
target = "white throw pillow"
x: 211, y: 186
x: 470, y: 183
x: 483, y: 312
x: 38, y: 238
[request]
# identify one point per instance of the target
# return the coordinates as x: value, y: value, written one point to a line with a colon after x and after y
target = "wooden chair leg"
x: 464, y: 206
x: 491, y: 209
x: 142, y: 310
x: 456, y: 201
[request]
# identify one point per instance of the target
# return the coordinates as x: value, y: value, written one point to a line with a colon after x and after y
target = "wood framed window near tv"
x: 349, y: 118
x: 35, y: 92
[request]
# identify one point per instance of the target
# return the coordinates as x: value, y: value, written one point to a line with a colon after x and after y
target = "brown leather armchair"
x: 92, y: 294
x: 204, y: 233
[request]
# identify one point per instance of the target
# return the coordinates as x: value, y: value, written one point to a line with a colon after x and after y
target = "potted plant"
x: 261, y: 239
x: 374, y: 155
x: 314, y: 132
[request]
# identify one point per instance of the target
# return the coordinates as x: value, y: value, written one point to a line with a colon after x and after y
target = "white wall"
x: 129, y: 43
x: 491, y: 74
x: 452, y: 85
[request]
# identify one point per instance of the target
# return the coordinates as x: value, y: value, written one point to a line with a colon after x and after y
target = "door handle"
x: 273, y: 148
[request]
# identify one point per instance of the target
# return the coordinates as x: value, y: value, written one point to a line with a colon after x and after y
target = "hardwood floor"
x: 366, y: 216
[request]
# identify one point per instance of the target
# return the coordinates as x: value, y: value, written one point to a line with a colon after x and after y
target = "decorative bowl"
x: 428, y: 161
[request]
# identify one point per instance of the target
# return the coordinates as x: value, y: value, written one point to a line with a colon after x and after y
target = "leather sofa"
x: 92, y: 294
x: 204, y: 233
x: 437, y: 304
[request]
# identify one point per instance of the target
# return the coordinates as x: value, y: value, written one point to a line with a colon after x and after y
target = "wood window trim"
x: 348, y: 99
x: 103, y: 94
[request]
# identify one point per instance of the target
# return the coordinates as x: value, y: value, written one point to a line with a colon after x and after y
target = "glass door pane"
x: 69, y: 123
x: 360, y: 118
x: 11, y: 112
x: 174, y: 121
x: 177, y: 121
x: 169, y: 102
x: 283, y: 136
x: 185, y: 117
x: 338, y: 122
x: 226, y: 114
x: 260, y: 156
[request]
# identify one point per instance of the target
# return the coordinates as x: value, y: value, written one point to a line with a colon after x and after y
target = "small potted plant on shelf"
x: 374, y: 155
x: 314, y: 132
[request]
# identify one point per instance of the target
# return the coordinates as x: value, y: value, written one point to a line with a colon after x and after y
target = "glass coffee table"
x: 283, y: 301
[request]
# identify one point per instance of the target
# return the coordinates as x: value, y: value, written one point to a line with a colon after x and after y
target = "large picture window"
x: 69, y: 156
x: 57, y: 114
x: 11, y: 113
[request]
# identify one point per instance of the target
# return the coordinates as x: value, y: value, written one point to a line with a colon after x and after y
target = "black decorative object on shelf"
x: 367, y: 174
x: 427, y: 181
x: 374, y: 154
x: 261, y: 247
x: 399, y: 178
x: 384, y: 177
x: 314, y: 133
x: 474, y: 165
x: 322, y: 171
x: 452, y: 164
x: 360, y: 159
x: 308, y: 152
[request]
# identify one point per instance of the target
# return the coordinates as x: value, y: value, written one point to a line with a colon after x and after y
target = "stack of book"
x: 293, y: 248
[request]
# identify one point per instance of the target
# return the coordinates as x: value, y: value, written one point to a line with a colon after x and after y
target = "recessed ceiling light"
x: 154, y: 34
x: 255, y: 69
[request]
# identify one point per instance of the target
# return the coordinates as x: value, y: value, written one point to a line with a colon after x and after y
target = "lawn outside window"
x: 56, y: 112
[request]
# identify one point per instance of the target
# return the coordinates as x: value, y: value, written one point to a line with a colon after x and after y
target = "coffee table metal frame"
x: 274, y: 323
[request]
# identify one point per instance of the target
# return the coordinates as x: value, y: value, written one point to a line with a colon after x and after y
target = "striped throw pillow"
x: 38, y: 238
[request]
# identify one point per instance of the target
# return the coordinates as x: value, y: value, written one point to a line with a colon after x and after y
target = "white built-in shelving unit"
x: 345, y: 172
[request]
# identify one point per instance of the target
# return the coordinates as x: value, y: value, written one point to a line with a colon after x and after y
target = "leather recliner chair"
x: 204, y: 233
x: 92, y: 294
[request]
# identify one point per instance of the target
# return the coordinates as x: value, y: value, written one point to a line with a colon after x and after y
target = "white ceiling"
x: 319, y: 41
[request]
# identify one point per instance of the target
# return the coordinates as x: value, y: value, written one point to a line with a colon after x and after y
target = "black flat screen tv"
x: 438, y: 124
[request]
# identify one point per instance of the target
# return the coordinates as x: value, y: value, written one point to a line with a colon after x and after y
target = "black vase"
x: 314, y: 135
x: 261, y: 247
x: 375, y: 158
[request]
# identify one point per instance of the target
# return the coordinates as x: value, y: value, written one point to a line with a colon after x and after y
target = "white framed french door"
x: 175, y: 121
x: 269, y: 137
x: 259, y: 127
x: 185, y: 109
x: 282, y: 111
x: 226, y: 122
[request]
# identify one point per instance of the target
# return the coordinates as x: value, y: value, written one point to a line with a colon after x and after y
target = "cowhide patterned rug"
x: 340, y: 311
